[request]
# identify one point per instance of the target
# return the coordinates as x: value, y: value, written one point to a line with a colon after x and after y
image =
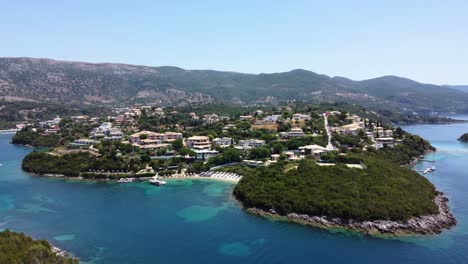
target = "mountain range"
x: 84, y: 83
x: 463, y: 88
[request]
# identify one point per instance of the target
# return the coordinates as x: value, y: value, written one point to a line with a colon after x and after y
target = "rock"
x: 428, y: 224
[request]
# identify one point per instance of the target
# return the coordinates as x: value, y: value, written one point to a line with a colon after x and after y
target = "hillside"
x: 18, y: 248
x: 463, y: 88
x: 108, y: 83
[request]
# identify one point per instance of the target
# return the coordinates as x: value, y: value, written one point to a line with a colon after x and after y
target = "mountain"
x: 114, y: 84
x: 463, y: 88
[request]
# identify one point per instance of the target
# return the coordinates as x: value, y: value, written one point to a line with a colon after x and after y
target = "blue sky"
x: 422, y: 40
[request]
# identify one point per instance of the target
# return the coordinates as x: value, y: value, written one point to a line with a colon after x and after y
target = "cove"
x: 197, y: 221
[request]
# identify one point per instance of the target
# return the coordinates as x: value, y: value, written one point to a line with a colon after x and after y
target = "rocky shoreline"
x: 423, y: 225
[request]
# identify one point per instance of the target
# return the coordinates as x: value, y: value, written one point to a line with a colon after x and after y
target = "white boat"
x: 430, y: 169
x: 157, y: 182
x: 126, y: 180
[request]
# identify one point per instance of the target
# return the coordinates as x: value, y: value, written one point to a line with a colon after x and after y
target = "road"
x: 327, y: 128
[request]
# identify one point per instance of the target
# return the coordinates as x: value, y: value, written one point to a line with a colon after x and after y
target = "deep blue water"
x: 198, y: 222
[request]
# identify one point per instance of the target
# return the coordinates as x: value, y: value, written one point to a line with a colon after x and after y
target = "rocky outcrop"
x: 428, y: 224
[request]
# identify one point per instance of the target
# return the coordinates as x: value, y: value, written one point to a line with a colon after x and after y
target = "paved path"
x: 327, y: 128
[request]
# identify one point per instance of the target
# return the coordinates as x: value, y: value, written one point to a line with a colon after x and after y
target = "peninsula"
x: 303, y: 163
x: 463, y: 138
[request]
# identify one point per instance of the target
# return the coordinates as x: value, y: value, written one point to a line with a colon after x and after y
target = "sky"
x: 424, y: 40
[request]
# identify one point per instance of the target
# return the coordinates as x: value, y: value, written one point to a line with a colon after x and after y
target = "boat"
x: 157, y: 182
x: 430, y: 169
x: 126, y: 180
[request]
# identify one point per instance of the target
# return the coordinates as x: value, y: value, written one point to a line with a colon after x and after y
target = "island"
x: 310, y: 164
x: 19, y: 248
x: 464, y: 138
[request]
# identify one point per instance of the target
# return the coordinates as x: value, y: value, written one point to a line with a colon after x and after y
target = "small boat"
x: 157, y: 182
x: 430, y: 169
x: 126, y: 180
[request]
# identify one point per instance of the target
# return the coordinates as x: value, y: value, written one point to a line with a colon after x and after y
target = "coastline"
x: 169, y: 177
x: 199, y: 178
x: 423, y: 225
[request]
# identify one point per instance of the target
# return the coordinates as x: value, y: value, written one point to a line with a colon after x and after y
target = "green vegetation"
x: 68, y: 165
x: 383, y: 190
x: 17, y: 248
x: 28, y: 137
x: 411, y: 147
x: 464, y: 137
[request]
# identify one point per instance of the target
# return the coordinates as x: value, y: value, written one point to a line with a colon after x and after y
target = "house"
x: 388, y: 133
x: 259, y: 112
x: 149, y: 137
x: 275, y: 157
x: 80, y: 118
x: 198, y: 142
x: 145, y: 108
x: 272, y: 118
x: 229, y: 126
x: 84, y: 142
x: 101, y: 131
x: 353, y: 118
x: 389, y: 141
x: 113, y: 134
x: 379, y: 131
x: 245, y: 117
x: 296, y: 132
x: 313, y: 149
x: 253, y: 163
x: 211, y: 119
x: 172, y: 136
x: 351, y: 129
x: 250, y: 143
x: 50, y: 123
x: 223, y: 142
x: 299, y: 117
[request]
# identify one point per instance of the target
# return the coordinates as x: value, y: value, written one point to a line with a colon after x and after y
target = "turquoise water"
x: 196, y: 221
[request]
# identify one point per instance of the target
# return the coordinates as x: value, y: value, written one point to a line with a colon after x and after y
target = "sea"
x: 198, y: 221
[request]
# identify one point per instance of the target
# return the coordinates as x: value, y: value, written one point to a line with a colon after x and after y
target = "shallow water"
x: 197, y: 221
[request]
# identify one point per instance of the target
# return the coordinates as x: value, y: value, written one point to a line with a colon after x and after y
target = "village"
x: 171, y: 143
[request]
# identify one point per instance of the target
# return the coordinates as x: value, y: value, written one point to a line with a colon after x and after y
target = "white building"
x: 250, y: 143
x: 296, y: 132
x: 245, y: 117
x: 198, y: 142
x: 223, y: 142
x: 299, y: 116
x: 314, y: 149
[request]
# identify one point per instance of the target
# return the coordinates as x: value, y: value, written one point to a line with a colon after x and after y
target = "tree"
x: 277, y: 148
x: 145, y: 158
x: 177, y: 144
x: 259, y: 153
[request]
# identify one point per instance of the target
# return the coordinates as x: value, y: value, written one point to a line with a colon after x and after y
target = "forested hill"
x: 110, y: 83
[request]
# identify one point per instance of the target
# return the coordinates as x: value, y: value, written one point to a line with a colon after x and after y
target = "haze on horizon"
x: 426, y: 41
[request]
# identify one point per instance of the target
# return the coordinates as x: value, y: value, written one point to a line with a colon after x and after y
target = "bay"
x: 198, y: 221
